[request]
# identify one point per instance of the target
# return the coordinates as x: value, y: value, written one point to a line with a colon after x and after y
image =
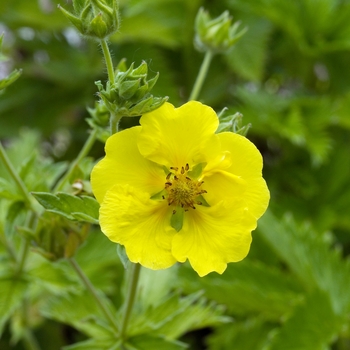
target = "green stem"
x: 108, y: 59
x: 3, y: 156
x: 201, y: 75
x: 83, y: 153
x: 114, y: 123
x: 89, y: 286
x: 130, y: 298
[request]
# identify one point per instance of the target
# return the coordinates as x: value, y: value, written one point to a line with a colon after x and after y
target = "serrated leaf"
x: 309, y: 256
x: 312, y: 326
x: 248, y: 287
x: 82, y: 208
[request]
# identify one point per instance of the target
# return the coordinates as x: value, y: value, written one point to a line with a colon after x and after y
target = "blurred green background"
x: 290, y: 78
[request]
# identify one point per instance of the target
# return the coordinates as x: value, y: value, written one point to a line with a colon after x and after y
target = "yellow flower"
x: 171, y: 190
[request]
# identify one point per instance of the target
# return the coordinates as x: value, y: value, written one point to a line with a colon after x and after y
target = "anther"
x: 174, y: 211
x: 163, y: 197
x: 175, y: 177
x: 187, y: 167
x: 168, y: 183
x: 187, y: 178
x: 168, y: 176
x: 182, y: 170
x: 199, y: 203
x: 174, y: 168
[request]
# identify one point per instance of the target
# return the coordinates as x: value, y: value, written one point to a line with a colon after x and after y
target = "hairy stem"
x: 83, y: 153
x: 130, y: 299
x: 201, y: 75
x: 89, y: 286
x: 108, y: 60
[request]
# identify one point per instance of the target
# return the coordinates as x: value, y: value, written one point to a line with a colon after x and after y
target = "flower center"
x: 182, y: 190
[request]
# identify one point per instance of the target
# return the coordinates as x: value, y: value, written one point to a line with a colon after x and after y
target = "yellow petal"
x: 223, y: 186
x: 177, y: 136
x: 130, y: 218
x: 247, y: 163
x: 214, y: 236
x: 123, y: 164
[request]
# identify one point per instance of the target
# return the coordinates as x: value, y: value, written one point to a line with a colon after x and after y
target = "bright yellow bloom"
x: 171, y: 190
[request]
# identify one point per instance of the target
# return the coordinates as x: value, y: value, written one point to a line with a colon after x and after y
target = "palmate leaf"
x: 82, y: 208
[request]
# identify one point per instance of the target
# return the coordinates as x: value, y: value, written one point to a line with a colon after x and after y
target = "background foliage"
x: 288, y: 76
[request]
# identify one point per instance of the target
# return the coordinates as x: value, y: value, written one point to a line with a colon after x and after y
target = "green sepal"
x: 197, y: 170
x: 159, y: 195
x: 177, y: 218
x: 128, y: 89
x: 202, y: 200
x: 73, y: 19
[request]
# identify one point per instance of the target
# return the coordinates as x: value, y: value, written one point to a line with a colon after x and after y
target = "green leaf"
x: 312, y: 326
x: 79, y: 309
x: 14, y: 216
x: 11, y: 296
x: 249, y: 54
x: 251, y: 334
x: 94, y: 344
x: 11, y: 78
x: 83, y: 208
x: 53, y: 277
x: 147, y: 342
x: 309, y: 256
x: 247, y: 287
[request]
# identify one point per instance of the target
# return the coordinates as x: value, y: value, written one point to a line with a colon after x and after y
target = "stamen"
x: 168, y: 176
x: 174, y: 211
x: 174, y: 168
x: 182, y: 170
x: 187, y: 167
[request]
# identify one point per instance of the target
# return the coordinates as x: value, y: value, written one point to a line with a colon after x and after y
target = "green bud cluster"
x: 232, y: 123
x: 216, y: 35
x: 129, y: 94
x: 94, y: 18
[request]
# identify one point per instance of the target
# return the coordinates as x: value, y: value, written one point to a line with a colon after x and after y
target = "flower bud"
x: 216, y: 35
x: 94, y: 18
x: 129, y: 94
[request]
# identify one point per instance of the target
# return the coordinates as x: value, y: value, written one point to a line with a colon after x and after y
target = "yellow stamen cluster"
x: 182, y: 190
